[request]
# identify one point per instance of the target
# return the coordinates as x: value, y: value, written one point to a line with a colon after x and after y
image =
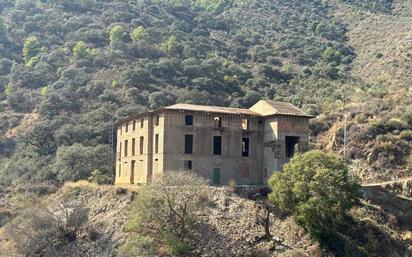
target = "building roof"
x: 273, y: 108
x: 262, y: 108
x: 284, y: 108
x: 208, y: 108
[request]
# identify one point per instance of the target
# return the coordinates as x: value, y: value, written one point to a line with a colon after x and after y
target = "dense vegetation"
x: 70, y: 69
x: 79, y: 66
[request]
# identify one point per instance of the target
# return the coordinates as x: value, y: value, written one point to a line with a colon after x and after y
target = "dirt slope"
x: 382, y: 43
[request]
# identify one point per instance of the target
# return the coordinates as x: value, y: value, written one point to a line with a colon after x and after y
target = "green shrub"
x: 31, y: 47
x: 100, y: 177
x: 77, y: 162
x: 317, y: 189
x: 407, y: 117
x: 177, y: 246
x: 117, y: 34
x: 406, y: 135
x: 396, y: 123
x: 138, y: 33
x: 137, y: 246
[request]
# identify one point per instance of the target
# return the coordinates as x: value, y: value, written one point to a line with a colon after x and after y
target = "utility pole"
x: 345, y: 133
x: 112, y: 145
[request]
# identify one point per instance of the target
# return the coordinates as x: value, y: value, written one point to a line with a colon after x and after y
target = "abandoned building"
x: 218, y: 143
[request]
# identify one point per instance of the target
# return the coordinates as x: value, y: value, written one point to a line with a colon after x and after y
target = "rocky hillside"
x: 379, y: 114
x: 226, y: 227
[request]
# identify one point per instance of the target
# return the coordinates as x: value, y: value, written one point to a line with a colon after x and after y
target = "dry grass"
x: 82, y: 185
x: 78, y: 184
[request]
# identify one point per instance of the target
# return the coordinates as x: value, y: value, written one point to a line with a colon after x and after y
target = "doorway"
x: 216, y: 176
x: 132, y: 168
x: 291, y: 146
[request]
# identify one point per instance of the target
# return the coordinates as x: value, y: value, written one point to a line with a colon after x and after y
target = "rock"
x: 280, y: 248
x: 121, y: 191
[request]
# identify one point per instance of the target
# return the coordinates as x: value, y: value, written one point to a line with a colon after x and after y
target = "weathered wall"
x: 267, y: 150
x: 230, y: 162
x: 277, y: 128
x: 142, y: 161
x: 158, y: 158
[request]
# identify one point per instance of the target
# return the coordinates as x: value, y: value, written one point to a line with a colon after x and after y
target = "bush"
x: 40, y: 231
x: 166, y: 210
x: 177, y: 246
x: 316, y: 188
x: 406, y: 135
x: 409, y: 162
x: 99, y: 177
x: 395, y: 123
x: 137, y: 246
x: 169, y: 202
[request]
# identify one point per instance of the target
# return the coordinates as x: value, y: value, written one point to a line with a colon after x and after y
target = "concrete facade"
x: 218, y: 143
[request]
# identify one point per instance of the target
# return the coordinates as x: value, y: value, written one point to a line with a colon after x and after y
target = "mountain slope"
x: 80, y: 66
x: 380, y: 109
x: 227, y: 226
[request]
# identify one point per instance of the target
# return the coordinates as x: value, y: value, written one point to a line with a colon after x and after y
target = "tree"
x: 171, y: 45
x: 172, y: 201
x: 9, y: 90
x: 317, y: 189
x: 167, y: 208
x: 263, y: 212
x: 117, y: 34
x: 5, y: 66
x: 22, y: 100
x: 31, y: 47
x: 138, y: 33
x: 159, y: 99
x: 41, y: 138
x: 77, y: 162
x: 3, y: 29
x: 80, y: 51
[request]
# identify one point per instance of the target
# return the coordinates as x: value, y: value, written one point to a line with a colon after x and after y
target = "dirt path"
x: 387, y: 182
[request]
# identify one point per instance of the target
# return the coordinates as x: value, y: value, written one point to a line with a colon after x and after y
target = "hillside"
x: 79, y: 66
x: 379, y: 118
x: 69, y: 70
x: 227, y: 226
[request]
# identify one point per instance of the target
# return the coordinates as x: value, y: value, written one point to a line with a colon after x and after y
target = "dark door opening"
x: 132, y: 167
x: 245, y: 147
x: 291, y: 146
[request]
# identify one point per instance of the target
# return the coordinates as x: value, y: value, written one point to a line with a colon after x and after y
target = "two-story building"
x: 217, y: 143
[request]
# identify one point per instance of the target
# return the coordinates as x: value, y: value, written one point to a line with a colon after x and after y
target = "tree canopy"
x: 317, y: 189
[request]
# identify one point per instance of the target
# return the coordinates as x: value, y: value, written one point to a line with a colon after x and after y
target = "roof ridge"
x: 211, y: 108
x: 204, y: 105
